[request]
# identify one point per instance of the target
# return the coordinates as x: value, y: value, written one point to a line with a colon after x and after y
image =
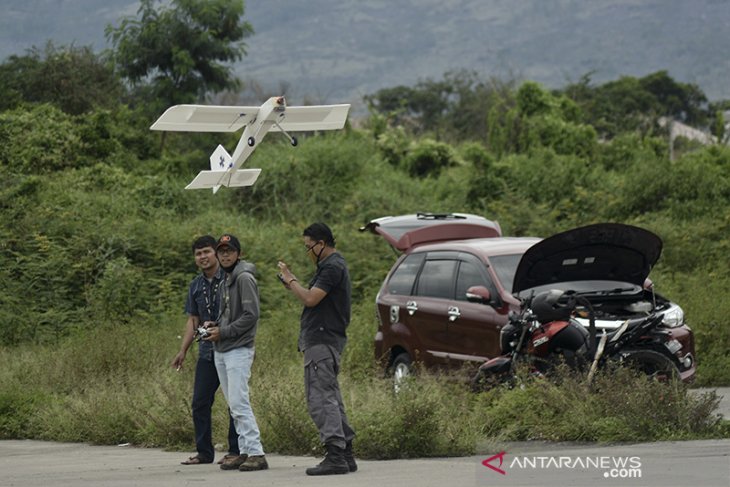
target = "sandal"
x: 195, y: 460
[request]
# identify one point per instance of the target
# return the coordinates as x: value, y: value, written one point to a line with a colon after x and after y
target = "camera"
x: 281, y: 278
x: 200, y: 333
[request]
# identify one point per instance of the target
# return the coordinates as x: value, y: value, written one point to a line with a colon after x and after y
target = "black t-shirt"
x: 326, y: 322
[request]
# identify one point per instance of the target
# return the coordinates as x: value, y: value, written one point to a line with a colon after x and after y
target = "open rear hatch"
x: 406, y: 231
x: 604, y: 251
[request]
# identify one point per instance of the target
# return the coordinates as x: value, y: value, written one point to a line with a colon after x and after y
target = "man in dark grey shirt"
x: 322, y: 338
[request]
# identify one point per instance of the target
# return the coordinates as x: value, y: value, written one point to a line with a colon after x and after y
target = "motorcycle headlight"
x: 673, y: 317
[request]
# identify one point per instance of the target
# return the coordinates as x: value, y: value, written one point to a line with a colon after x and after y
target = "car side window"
x: 469, y: 275
x: 437, y: 279
x: 401, y: 282
x: 472, y: 272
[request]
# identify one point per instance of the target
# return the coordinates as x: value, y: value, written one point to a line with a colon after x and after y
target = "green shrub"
x: 40, y: 140
x: 428, y: 158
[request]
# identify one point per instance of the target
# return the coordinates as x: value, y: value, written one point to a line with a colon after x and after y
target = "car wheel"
x: 401, y: 369
x: 651, y: 363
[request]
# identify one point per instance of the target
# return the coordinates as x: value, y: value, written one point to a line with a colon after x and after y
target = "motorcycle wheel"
x: 484, y: 381
x: 651, y: 363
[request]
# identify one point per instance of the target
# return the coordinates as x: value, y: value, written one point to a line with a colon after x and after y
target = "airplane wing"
x: 211, y: 179
x: 205, y: 118
x: 319, y: 117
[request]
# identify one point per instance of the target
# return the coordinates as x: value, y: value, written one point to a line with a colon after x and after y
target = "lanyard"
x: 213, y: 295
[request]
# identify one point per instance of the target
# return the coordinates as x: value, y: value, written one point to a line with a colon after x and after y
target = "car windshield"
x: 505, y: 267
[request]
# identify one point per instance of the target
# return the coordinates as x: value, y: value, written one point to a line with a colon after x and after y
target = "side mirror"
x: 478, y: 294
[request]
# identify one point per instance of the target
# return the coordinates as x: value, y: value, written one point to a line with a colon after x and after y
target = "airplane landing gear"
x: 292, y: 140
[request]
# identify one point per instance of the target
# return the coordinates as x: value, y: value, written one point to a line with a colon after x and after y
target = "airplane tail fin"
x: 216, y: 179
x: 220, y: 160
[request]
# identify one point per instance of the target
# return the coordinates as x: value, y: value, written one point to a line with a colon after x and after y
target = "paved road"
x: 706, y: 463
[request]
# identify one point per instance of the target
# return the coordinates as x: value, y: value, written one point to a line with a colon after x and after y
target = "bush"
x: 393, y: 146
x: 428, y: 158
x: 40, y: 140
x: 618, y: 406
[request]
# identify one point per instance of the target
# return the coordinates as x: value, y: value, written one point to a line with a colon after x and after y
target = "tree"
x: 454, y: 108
x: 634, y: 104
x: 176, y: 53
x: 75, y: 79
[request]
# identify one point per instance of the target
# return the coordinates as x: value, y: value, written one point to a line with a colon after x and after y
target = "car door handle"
x: 412, y: 307
x: 454, y: 313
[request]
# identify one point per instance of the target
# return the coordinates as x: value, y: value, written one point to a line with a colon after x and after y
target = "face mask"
x: 314, y: 257
x: 230, y: 268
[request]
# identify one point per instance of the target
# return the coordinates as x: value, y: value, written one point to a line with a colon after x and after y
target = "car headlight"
x: 673, y: 317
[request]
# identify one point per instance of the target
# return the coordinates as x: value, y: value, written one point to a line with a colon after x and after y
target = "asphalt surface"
x: 704, y: 463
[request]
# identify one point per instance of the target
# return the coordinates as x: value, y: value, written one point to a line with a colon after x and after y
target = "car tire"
x: 654, y: 364
x: 401, y: 369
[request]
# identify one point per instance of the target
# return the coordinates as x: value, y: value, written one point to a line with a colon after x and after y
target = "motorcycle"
x: 546, y: 332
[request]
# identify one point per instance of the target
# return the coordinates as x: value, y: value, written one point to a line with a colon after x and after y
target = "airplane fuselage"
x: 271, y: 112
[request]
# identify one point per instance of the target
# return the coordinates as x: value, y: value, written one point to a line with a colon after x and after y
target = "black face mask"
x: 230, y: 268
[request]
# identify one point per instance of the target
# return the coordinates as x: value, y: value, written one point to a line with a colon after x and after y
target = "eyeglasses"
x: 226, y: 251
x: 311, y: 247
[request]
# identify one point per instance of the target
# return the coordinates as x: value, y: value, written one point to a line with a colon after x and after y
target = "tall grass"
x: 114, y: 385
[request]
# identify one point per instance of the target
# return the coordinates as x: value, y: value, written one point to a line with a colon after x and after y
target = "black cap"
x: 229, y: 240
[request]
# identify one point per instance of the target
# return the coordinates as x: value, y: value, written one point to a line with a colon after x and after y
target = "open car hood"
x: 604, y: 251
x: 406, y: 231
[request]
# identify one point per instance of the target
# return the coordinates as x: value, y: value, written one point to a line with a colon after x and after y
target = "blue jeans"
x: 234, y: 370
x: 204, y: 387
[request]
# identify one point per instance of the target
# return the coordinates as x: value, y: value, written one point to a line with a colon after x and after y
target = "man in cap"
x: 233, y: 337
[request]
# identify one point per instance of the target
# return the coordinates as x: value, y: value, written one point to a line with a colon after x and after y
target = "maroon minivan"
x: 448, y: 295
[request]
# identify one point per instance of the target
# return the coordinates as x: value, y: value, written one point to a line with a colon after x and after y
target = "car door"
x: 428, y: 307
x: 473, y: 328
x: 395, y: 327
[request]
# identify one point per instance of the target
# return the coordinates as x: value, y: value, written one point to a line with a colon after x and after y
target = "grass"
x: 114, y: 385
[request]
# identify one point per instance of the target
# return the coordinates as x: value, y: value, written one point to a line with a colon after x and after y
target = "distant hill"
x: 329, y: 51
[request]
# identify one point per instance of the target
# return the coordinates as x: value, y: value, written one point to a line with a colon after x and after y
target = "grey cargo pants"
x: 324, y: 400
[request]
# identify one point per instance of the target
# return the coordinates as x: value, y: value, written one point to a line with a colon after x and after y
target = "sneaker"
x: 232, y: 463
x: 254, y: 462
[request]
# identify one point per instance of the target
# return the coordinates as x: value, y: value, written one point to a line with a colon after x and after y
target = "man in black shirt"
x: 322, y: 338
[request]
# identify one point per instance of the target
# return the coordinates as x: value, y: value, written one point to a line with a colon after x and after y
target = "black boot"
x: 333, y: 463
x: 350, y: 457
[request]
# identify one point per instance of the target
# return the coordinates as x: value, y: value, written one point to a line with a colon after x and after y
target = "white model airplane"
x: 272, y: 115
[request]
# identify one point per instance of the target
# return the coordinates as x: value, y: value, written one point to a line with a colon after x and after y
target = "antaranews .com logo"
x: 615, y: 467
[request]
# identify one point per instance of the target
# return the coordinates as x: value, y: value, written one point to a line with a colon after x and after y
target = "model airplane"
x: 273, y: 115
